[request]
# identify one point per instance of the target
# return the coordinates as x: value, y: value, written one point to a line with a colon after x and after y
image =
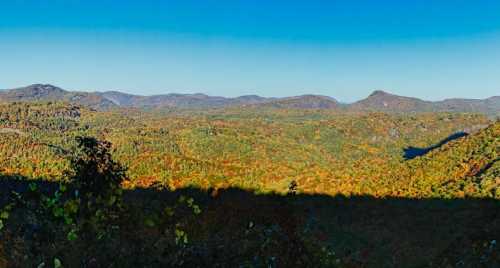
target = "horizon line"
x: 383, y: 91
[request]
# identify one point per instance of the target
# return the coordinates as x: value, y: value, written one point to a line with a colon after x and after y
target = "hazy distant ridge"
x: 377, y: 101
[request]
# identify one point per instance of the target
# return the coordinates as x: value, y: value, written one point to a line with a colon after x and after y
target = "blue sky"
x: 344, y: 49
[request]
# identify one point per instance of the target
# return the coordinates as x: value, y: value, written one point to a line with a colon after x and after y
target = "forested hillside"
x: 302, y: 187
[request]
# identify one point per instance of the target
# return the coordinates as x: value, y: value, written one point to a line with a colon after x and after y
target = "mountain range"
x: 377, y: 101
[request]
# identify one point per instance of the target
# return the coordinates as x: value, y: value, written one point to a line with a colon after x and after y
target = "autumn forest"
x: 247, y: 187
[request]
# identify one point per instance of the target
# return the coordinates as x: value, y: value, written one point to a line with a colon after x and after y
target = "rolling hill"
x: 44, y: 92
x: 489, y: 106
x: 387, y: 102
x: 301, y: 102
x: 377, y: 101
x: 382, y: 101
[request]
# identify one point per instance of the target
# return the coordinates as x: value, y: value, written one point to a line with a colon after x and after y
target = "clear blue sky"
x: 344, y: 49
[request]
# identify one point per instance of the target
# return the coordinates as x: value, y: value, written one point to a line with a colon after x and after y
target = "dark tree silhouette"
x: 96, y: 175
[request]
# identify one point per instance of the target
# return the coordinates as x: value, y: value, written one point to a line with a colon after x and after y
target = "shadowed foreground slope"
x: 237, y: 228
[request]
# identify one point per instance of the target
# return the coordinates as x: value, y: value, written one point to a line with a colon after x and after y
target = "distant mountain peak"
x: 35, y: 91
x: 381, y: 100
x: 48, y: 92
x: 378, y: 100
x: 42, y: 88
x: 380, y: 93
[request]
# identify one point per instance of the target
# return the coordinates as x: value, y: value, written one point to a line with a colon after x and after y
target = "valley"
x: 333, y: 174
